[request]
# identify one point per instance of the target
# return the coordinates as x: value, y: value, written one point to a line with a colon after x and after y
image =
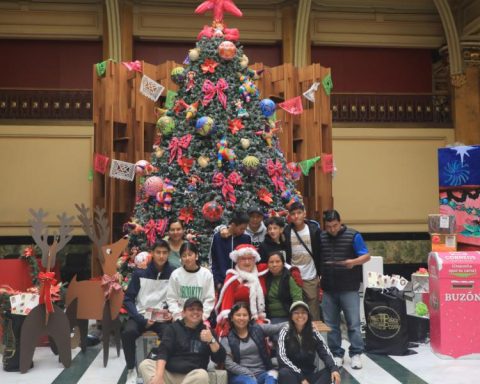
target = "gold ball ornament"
x: 194, y: 54
x: 203, y: 161
x: 251, y: 161
x: 244, y: 61
x: 245, y: 143
x: 159, y: 152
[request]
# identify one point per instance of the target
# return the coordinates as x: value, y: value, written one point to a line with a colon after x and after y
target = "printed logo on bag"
x: 384, y: 322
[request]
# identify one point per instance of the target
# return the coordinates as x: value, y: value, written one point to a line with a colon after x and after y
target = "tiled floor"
x: 421, y: 368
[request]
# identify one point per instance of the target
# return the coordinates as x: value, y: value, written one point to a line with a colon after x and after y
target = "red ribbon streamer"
x: 110, y: 283
x: 210, y: 90
x: 47, y: 279
x: 275, y: 172
x: 153, y: 228
x: 177, y: 145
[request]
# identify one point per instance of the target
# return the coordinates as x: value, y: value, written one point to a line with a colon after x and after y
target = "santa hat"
x: 243, y: 250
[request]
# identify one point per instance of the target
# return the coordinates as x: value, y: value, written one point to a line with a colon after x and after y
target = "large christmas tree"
x: 216, y: 150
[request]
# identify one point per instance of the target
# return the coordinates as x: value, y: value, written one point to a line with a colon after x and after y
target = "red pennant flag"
x: 327, y: 162
x: 100, y: 163
x: 293, y: 106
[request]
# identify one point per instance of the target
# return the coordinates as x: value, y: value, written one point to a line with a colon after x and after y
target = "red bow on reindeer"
x: 228, y: 192
x: 152, y: 228
x: 210, y: 90
x: 110, y: 283
x: 177, y: 145
x: 275, y: 172
x: 47, y: 279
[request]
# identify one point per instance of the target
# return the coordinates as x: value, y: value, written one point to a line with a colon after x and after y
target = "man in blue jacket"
x: 221, y: 247
x: 147, y: 289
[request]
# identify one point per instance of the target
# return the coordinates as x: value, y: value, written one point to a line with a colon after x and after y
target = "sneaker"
x: 131, y: 376
x: 356, y: 362
x: 338, y: 361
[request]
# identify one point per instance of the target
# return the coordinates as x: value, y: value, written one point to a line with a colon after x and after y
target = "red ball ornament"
x: 227, y: 50
x: 212, y: 211
x: 153, y: 185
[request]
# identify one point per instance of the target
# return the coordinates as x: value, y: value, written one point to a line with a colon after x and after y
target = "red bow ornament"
x: 275, y: 172
x: 228, y: 192
x: 177, y: 145
x: 152, y: 229
x: 210, y: 90
x: 47, y: 279
x: 110, y: 283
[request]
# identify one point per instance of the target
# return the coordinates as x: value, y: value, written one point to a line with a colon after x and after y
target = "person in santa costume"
x: 242, y: 283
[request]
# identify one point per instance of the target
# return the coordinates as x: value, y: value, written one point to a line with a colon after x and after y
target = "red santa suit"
x: 243, y: 286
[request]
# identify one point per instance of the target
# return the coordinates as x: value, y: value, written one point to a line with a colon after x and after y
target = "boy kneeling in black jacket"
x: 184, y: 351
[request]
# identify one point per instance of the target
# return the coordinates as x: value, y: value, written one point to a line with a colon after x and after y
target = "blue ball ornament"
x: 267, y: 106
x: 444, y: 201
x: 204, y: 125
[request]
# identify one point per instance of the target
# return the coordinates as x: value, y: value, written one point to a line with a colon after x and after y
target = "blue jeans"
x: 349, y: 302
x: 262, y: 378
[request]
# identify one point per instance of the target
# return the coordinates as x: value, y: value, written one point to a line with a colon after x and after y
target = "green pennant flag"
x: 169, y: 101
x: 90, y: 174
x: 101, y: 68
x: 306, y: 165
x: 327, y: 83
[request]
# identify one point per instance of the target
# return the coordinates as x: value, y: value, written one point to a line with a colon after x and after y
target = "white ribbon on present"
x: 150, y: 88
x: 310, y: 93
x: 122, y: 170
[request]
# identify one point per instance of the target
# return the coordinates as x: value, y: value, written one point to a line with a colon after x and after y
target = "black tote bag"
x: 386, y: 316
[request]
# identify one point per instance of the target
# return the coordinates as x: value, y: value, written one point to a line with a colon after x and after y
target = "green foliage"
x: 400, y: 252
x: 195, y: 196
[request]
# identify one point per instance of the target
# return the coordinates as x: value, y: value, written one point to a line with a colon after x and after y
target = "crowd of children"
x: 262, y: 285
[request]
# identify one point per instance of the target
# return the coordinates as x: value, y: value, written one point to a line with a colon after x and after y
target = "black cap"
x: 255, y: 209
x: 191, y: 301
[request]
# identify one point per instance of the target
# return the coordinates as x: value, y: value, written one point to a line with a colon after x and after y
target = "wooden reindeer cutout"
x: 98, y: 299
x: 46, y: 318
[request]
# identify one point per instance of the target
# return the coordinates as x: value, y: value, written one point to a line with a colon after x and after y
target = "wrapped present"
x: 442, y: 224
x: 443, y: 243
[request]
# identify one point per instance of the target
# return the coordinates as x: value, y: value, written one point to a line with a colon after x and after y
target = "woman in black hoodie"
x: 298, y: 344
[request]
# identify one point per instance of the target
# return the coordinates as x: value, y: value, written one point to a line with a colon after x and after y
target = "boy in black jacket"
x: 185, y: 350
x: 147, y: 289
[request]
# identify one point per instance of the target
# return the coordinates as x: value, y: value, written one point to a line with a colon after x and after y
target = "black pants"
x: 288, y: 376
x: 131, y: 332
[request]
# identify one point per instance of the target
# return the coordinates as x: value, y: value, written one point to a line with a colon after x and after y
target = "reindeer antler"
x: 63, y: 236
x: 39, y: 232
x: 88, y: 226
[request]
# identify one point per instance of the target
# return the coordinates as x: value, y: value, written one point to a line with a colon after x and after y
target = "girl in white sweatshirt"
x: 190, y: 280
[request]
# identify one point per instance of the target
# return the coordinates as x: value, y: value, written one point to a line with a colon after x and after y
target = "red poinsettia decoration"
x: 235, y: 125
x: 186, y: 164
x: 264, y: 195
x: 186, y: 215
x: 209, y: 65
x: 28, y: 252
